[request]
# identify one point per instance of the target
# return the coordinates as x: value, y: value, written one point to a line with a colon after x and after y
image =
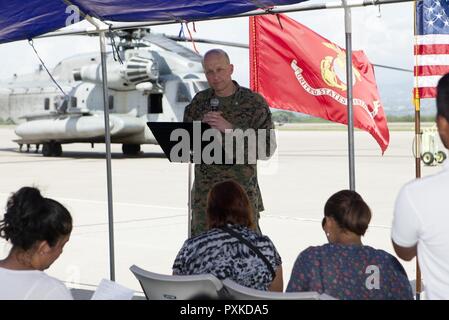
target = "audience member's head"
x: 37, y: 228
x: 345, y: 214
x: 227, y: 202
x: 443, y: 109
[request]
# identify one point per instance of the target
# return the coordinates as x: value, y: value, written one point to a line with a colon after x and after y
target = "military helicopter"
x: 150, y: 78
x: 153, y: 78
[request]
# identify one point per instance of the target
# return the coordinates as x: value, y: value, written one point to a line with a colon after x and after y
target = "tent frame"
x: 344, y: 4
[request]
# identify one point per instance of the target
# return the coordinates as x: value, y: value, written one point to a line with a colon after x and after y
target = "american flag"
x: 431, y: 46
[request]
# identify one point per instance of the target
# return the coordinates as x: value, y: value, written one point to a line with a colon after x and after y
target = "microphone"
x: 214, y: 103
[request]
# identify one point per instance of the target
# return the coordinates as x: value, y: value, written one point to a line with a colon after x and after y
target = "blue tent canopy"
x: 21, y: 19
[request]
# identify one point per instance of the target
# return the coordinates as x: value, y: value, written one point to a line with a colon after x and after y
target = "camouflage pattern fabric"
x: 244, y: 109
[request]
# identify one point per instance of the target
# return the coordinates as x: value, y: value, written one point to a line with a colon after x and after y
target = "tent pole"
x: 108, y: 155
x: 348, y: 33
x: 108, y: 149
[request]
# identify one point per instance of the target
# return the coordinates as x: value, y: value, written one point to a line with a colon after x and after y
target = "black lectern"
x: 182, y: 141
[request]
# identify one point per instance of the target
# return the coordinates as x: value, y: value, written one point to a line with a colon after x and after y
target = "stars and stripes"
x: 431, y: 45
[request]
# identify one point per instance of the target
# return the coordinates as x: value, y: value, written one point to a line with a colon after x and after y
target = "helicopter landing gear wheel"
x: 131, y: 149
x: 46, y: 151
x: 52, y: 149
x: 440, y: 156
x: 427, y: 158
x: 57, y: 150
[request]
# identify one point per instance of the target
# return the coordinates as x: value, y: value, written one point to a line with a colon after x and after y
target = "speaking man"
x: 227, y: 106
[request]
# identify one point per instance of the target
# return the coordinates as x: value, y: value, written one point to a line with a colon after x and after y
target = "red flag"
x: 296, y: 69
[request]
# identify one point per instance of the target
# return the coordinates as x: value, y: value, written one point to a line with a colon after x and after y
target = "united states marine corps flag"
x: 296, y: 69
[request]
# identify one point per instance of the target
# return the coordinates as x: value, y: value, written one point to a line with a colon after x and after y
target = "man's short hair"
x: 443, y: 97
x: 217, y: 52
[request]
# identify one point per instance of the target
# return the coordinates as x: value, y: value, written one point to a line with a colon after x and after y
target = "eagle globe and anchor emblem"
x: 333, y: 69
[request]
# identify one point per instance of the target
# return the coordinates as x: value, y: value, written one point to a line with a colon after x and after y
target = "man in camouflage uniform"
x: 239, y: 108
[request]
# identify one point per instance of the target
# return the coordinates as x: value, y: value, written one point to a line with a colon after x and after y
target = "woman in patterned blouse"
x: 345, y: 268
x: 219, y: 252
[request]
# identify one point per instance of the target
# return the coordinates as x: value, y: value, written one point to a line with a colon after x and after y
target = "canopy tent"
x: 21, y: 20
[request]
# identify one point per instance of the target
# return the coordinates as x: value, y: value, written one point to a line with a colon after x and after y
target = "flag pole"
x: 348, y: 33
x: 418, y: 173
x: 417, y: 104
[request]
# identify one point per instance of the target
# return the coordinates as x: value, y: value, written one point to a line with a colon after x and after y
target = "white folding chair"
x: 168, y: 287
x: 239, y: 292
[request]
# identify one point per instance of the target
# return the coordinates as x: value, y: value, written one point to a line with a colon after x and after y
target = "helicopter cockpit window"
x: 47, y: 104
x: 63, y: 105
x: 200, y: 86
x: 73, y: 102
x: 155, y: 103
x: 191, y: 76
x: 111, y: 102
x: 183, y: 94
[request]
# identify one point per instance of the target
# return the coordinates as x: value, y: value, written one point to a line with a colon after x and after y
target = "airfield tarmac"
x: 150, y: 197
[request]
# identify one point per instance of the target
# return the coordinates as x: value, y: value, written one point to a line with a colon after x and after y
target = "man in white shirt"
x: 421, y: 215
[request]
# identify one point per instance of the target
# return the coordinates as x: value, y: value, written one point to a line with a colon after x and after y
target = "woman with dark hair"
x: 38, y: 228
x: 231, y: 247
x: 345, y: 268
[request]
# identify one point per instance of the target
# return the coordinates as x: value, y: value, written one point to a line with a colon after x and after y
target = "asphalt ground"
x: 150, y: 197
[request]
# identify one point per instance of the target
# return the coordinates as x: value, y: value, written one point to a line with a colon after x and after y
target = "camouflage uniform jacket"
x: 244, y: 109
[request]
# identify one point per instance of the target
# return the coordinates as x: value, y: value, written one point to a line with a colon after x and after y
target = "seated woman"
x: 38, y: 228
x: 231, y: 248
x: 345, y: 268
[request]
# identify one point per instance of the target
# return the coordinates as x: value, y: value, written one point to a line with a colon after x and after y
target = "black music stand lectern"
x: 163, y: 132
x: 165, y: 135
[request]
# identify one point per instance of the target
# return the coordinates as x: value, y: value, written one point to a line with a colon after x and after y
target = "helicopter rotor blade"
x: 171, y: 45
x: 223, y: 43
x: 245, y: 46
x: 93, y: 32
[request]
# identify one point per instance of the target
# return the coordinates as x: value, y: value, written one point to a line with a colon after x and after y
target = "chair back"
x: 169, y: 287
x: 239, y: 292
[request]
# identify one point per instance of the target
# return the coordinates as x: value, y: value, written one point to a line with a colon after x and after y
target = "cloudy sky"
x: 385, y: 34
